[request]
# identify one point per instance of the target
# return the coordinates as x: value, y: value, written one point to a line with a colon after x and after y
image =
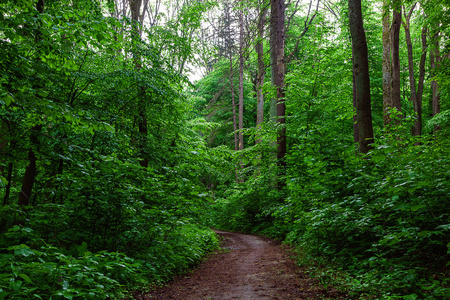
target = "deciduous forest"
x: 129, y: 128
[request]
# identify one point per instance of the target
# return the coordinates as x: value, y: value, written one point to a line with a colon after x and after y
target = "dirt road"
x: 247, y: 267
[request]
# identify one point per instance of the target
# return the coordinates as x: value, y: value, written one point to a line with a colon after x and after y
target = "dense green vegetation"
x: 96, y: 223
x: 113, y: 166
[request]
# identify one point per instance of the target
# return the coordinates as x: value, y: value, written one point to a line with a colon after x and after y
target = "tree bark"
x: 397, y: 22
x: 362, y: 81
x: 416, y: 96
x: 418, y: 109
x: 355, y: 117
x: 412, y: 80
x: 241, y: 77
x: 233, y: 105
x: 261, y: 68
x: 277, y: 38
x: 31, y: 170
x: 387, y: 69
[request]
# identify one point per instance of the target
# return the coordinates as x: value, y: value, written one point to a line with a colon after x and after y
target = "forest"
x: 130, y: 128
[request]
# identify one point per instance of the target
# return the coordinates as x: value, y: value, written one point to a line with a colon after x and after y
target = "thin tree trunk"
x: 233, y: 104
x: 241, y: 78
x: 362, y: 81
x: 418, y: 109
x: 261, y: 68
x: 397, y: 22
x: 412, y: 80
x: 387, y: 69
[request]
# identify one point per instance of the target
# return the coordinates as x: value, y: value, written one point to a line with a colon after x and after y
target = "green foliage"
x: 383, y: 221
x: 42, y: 271
x: 73, y: 95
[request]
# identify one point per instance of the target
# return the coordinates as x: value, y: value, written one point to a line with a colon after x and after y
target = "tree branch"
x: 305, y: 29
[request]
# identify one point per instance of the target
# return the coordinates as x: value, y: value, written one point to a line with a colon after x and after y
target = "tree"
x: 387, y: 66
x: 416, y: 95
x: 262, y: 9
x: 395, y: 48
x: 277, y: 58
x: 361, y: 73
x: 241, y: 76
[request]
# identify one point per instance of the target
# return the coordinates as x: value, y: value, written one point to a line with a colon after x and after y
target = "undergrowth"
x: 30, y: 268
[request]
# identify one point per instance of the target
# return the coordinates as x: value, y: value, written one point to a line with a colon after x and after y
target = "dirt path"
x: 247, y: 267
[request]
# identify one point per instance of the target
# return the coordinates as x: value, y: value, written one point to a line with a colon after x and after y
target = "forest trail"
x: 246, y: 267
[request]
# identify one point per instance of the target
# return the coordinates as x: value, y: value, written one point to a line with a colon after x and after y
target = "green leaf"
x: 24, y: 250
x: 82, y: 248
x: 65, y: 285
x: 26, y: 278
x: 445, y: 227
x: 417, y: 207
x: 42, y: 93
x: 15, y: 285
x: 8, y: 99
x: 378, y: 158
x: 3, y: 181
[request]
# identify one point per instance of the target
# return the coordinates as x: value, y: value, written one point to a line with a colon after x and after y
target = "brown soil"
x: 246, y: 267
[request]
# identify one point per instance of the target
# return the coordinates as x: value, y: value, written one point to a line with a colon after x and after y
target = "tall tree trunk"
x: 277, y: 20
x: 361, y: 71
x: 412, y: 80
x: 397, y: 22
x: 241, y: 77
x: 233, y: 105
x: 387, y: 69
x: 261, y: 67
x: 435, y: 58
x: 418, y: 109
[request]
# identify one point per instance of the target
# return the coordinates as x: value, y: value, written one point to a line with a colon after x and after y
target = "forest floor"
x: 245, y: 267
